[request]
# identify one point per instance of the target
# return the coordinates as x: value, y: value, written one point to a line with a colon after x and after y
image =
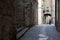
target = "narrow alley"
x: 42, y: 32
x: 29, y: 19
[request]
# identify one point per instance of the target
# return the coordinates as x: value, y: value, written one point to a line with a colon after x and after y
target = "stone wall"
x: 57, y: 14
x: 7, y: 20
x: 26, y: 12
x: 15, y: 13
x: 26, y: 16
x: 20, y: 14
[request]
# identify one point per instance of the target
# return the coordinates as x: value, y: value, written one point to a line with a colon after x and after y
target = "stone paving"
x: 42, y: 32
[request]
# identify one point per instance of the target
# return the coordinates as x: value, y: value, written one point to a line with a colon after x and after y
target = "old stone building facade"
x: 26, y: 14
x: 7, y: 19
x: 15, y: 14
x: 48, y: 5
x: 26, y: 10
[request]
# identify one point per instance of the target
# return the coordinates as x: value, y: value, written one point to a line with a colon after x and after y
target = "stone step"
x: 21, y: 33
